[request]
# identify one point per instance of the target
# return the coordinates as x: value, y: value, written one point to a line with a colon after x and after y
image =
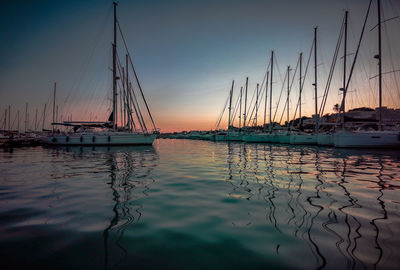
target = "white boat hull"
x: 303, y: 138
x: 107, y: 139
x: 373, y: 139
x: 325, y: 139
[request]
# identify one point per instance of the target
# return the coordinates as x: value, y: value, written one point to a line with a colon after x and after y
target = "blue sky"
x: 186, y: 53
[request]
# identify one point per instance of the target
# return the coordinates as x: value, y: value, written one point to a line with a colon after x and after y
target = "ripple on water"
x: 198, y: 204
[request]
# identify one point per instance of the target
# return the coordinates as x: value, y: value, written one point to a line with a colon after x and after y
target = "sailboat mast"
x: 300, y: 85
x: 26, y: 116
x: 44, y: 115
x: 315, y: 79
x: 315, y: 70
x: 36, y: 119
x: 270, y: 92
x: 126, y: 92
x: 230, y: 105
x: 265, y: 102
x: 114, y: 70
x: 344, y: 64
x: 5, y: 120
x: 54, y: 103
x: 345, y: 52
x: 56, y: 117
x: 245, y: 103
x: 240, y: 107
x: 257, y: 105
x: 288, y: 92
x: 380, y: 63
x: 9, y: 117
x: 18, y: 121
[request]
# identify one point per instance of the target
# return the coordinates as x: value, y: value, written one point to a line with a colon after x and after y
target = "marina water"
x: 184, y: 204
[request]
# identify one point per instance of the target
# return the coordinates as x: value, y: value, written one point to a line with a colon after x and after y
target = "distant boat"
x: 133, y: 130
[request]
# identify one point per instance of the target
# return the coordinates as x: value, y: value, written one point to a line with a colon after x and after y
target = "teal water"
x: 184, y: 204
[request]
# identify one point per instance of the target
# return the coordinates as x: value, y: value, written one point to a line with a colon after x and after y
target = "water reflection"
x: 195, y: 205
x: 335, y: 200
x: 130, y: 177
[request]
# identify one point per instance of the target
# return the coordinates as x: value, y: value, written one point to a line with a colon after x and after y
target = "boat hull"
x: 208, y: 137
x: 303, y: 139
x: 325, y: 139
x: 274, y: 138
x: 220, y: 137
x: 257, y: 138
x: 228, y: 137
x: 234, y: 137
x: 283, y: 138
x: 376, y: 139
x: 105, y: 139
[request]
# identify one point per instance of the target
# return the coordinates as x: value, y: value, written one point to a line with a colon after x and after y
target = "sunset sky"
x: 186, y: 54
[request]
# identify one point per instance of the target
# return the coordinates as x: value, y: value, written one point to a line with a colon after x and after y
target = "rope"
x: 260, y: 94
x: 334, y: 60
x: 355, y: 58
x: 305, y: 74
x: 136, y: 77
x: 290, y: 90
x: 221, y: 114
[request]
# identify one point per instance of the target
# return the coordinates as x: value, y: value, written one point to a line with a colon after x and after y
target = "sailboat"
x: 326, y: 138
x: 300, y: 137
x: 231, y: 134
x: 284, y: 136
x: 363, y: 138
x: 264, y: 136
x: 132, y: 129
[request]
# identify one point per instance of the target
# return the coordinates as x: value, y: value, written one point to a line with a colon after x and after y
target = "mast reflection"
x: 317, y: 195
x: 130, y: 179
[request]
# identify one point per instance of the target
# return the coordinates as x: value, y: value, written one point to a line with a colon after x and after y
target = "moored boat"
x: 234, y: 136
x: 283, y: 137
x: 369, y: 139
x: 101, y: 138
x: 126, y: 124
x: 257, y: 137
x: 325, y: 139
x: 380, y: 138
x: 303, y: 138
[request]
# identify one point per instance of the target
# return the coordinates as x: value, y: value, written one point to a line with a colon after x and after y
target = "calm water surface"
x: 199, y: 205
